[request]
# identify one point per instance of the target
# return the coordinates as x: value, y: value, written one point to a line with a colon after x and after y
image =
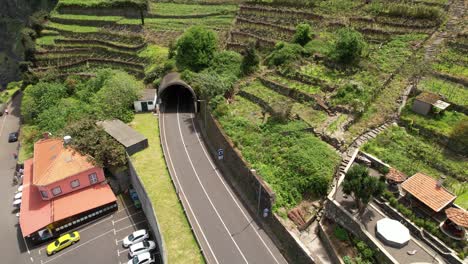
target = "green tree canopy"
x: 303, y: 34
x: 196, y: 48
x: 89, y: 139
x: 39, y: 97
x: 116, y: 97
x: 251, y: 60
x: 359, y: 184
x: 348, y: 46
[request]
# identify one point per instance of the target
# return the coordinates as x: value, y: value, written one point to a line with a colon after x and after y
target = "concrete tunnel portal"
x: 176, y: 95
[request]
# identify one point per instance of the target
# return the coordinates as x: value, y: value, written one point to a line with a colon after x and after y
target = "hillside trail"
x: 453, y: 26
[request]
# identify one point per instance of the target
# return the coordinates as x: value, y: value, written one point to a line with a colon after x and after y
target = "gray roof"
x: 147, y: 95
x: 124, y: 134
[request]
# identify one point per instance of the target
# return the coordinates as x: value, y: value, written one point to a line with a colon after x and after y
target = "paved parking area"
x: 101, y: 240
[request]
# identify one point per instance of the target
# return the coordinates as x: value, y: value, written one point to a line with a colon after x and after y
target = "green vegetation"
x: 46, y: 40
x: 284, y: 54
x: 195, y: 49
x: 11, y: 89
x: 361, y: 186
x: 364, y: 252
x: 294, y: 162
x: 177, y: 9
x: 180, y: 243
x: 411, y: 154
x: 72, y: 28
x: 441, y: 124
x: 303, y: 34
x: 348, y: 46
x: 104, y: 3
x: 251, y: 60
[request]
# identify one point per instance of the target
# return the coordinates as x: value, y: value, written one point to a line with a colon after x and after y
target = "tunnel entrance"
x: 174, y: 94
x: 178, y: 96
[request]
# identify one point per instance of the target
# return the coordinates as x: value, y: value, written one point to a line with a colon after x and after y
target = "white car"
x: 141, y: 247
x: 144, y: 258
x: 18, y: 196
x: 17, y: 203
x: 20, y: 189
x: 135, y: 237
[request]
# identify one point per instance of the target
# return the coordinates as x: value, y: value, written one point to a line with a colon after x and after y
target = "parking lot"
x: 101, y: 240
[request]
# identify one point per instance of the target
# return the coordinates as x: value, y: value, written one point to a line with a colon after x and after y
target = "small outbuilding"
x: 125, y: 135
x: 456, y: 223
x: 146, y: 102
x: 426, y: 101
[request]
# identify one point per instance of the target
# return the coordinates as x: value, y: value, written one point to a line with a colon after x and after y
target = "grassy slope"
x: 180, y: 243
x: 412, y: 154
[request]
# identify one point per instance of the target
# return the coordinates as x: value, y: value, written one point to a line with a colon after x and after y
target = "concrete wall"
x: 336, y: 213
x: 148, y: 209
x: 248, y: 185
x: 332, y: 252
x: 421, y: 107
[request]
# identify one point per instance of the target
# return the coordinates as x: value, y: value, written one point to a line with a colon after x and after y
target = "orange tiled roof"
x: 37, y: 213
x: 425, y: 189
x: 395, y: 175
x: 458, y: 216
x: 54, y: 162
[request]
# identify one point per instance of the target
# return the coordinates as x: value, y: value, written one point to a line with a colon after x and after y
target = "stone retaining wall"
x: 148, y: 209
x: 328, y: 244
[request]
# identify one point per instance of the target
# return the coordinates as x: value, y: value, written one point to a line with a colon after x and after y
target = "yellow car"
x: 63, y: 242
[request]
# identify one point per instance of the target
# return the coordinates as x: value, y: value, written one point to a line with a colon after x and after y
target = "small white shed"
x: 146, y: 102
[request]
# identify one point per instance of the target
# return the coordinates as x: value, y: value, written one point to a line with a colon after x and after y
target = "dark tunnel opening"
x: 177, y: 97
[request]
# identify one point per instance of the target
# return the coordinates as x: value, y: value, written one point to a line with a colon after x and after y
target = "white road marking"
x: 203, y: 187
x: 31, y: 258
x: 26, y: 244
x: 229, y: 191
x: 183, y: 195
x: 130, y: 226
x: 127, y: 217
x: 120, y: 252
x: 125, y: 207
x: 76, y: 247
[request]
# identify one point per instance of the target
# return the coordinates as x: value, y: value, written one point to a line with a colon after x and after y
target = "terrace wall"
x: 148, y: 209
x: 108, y: 11
x: 249, y: 186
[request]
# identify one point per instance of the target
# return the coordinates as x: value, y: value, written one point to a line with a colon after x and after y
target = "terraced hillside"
x: 79, y: 37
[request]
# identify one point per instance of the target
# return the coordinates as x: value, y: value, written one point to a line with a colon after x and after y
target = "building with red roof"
x: 61, y: 190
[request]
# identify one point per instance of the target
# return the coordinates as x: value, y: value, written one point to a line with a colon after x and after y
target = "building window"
x: 92, y: 178
x: 56, y: 191
x: 75, y: 183
x: 44, y: 194
x: 150, y: 103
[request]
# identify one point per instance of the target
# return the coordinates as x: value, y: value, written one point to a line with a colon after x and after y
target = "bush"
x: 393, y: 202
x: 348, y: 46
x: 303, y: 34
x: 347, y: 260
x: 284, y: 53
x: 418, y: 11
x: 251, y: 60
x: 196, y: 48
x: 388, y: 195
x: 341, y: 233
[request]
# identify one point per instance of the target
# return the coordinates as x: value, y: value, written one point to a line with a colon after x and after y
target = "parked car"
x: 13, y: 137
x: 17, y: 203
x: 63, y: 242
x: 18, y: 196
x: 144, y: 258
x: 135, y: 237
x: 141, y: 247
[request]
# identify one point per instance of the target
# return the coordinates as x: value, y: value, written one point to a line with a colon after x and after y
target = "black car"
x: 13, y: 137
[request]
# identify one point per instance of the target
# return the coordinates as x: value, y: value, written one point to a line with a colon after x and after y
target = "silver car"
x: 141, y: 247
x: 144, y: 258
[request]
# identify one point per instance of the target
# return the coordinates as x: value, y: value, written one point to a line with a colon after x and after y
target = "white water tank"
x: 67, y: 139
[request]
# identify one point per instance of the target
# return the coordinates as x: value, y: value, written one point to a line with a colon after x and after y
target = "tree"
x: 284, y: 54
x: 39, y: 97
x: 196, y: 48
x: 459, y: 137
x: 89, y: 139
x: 361, y: 186
x: 116, y: 97
x: 251, y: 60
x: 348, y: 46
x: 303, y: 34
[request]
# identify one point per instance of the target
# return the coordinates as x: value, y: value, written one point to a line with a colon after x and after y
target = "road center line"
x: 182, y: 192
x: 203, y: 187
x: 228, y: 190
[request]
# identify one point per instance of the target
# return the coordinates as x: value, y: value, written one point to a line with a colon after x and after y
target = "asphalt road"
x: 224, y: 228
x: 101, y: 241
